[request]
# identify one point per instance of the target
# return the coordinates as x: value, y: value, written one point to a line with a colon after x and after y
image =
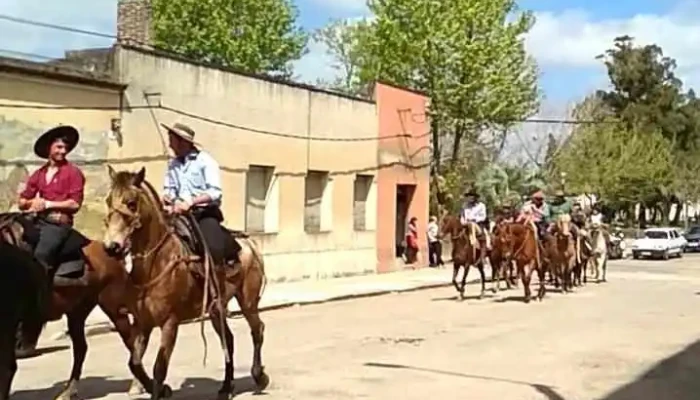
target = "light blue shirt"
x: 197, y: 175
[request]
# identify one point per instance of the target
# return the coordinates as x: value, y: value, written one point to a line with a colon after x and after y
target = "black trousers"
x: 51, y: 237
x: 221, y: 245
x: 435, y: 253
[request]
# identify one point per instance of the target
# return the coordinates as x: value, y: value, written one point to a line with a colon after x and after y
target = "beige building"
x: 308, y: 198
x: 298, y: 164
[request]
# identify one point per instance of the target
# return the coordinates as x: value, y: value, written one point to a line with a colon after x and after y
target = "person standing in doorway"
x: 412, y: 241
x: 434, y: 244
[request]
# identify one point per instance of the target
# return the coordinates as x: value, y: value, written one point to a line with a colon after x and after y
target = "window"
x: 316, y: 202
x: 258, y: 185
x: 363, y: 185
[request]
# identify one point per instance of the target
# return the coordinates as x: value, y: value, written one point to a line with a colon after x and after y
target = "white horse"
x: 599, y: 257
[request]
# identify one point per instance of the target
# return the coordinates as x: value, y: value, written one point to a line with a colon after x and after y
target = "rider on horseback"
x: 538, y: 212
x: 474, y: 211
x: 55, y: 193
x: 561, y: 206
x: 193, y: 185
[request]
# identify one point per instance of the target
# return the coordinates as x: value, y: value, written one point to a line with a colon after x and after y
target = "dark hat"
x: 182, y: 131
x: 67, y: 133
x: 471, y: 192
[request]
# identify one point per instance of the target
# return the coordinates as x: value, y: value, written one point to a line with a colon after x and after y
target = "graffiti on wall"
x: 17, y: 161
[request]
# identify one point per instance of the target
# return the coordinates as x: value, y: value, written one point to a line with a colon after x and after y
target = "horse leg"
x: 168, y: 338
x: 142, y: 383
x: 8, y: 358
x: 463, y: 282
x: 76, y: 331
x: 540, y: 276
x: 257, y: 331
x: 605, y: 268
x: 526, y: 275
x: 455, y: 271
x: 513, y: 274
x: 480, y: 266
x: 496, y: 276
x: 222, y: 329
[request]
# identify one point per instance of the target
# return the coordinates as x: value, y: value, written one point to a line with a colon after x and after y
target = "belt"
x: 57, y: 217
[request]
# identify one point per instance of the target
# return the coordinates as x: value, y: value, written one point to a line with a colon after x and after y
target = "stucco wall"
x: 405, y: 153
x: 31, y: 105
x: 248, y: 106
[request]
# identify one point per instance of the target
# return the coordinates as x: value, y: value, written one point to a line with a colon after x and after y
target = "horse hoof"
x: 262, y: 381
x: 136, y: 389
x: 225, y: 394
x: 166, y: 392
x: 527, y: 300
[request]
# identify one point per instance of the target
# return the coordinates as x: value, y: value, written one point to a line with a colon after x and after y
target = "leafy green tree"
x: 341, y: 41
x: 469, y: 57
x: 257, y: 36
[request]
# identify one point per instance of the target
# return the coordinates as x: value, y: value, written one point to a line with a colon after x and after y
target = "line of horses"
x: 519, y: 250
x: 171, y: 281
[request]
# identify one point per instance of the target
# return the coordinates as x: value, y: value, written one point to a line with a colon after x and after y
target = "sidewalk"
x: 281, y: 295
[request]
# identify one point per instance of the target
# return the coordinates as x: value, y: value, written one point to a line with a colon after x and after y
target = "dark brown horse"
x: 175, y: 284
x: 104, y: 282
x: 466, y: 251
x: 526, y: 252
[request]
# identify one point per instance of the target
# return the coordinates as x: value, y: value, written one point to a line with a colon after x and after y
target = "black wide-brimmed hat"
x: 66, y: 133
x: 471, y: 192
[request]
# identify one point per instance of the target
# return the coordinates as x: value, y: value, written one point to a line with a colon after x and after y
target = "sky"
x: 566, y: 38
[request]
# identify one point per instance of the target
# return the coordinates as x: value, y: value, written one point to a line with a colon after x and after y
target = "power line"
x: 24, y: 21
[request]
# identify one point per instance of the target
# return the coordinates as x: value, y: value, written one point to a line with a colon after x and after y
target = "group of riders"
x: 538, y: 211
x: 54, y: 193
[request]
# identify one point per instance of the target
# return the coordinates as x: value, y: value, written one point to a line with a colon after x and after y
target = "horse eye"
x: 132, y: 205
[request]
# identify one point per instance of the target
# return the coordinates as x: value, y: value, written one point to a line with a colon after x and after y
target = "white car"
x: 659, y: 243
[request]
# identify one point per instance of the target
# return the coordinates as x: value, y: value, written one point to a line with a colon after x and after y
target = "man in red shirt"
x: 54, y: 192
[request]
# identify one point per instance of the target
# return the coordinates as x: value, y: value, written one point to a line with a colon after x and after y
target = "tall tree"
x: 341, y: 41
x: 258, y: 36
x: 469, y: 57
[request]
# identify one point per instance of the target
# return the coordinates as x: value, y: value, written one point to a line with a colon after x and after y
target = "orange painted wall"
x: 405, y: 161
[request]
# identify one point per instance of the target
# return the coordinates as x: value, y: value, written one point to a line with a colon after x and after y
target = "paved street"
x: 636, y: 337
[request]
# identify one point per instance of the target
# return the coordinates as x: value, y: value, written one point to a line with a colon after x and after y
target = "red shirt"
x: 68, y: 183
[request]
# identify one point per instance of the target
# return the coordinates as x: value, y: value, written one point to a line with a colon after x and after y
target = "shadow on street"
x: 675, y: 377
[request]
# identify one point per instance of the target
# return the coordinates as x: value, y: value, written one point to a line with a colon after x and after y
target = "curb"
x: 101, y: 328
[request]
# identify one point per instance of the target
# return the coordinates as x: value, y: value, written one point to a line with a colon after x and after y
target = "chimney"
x: 134, y: 21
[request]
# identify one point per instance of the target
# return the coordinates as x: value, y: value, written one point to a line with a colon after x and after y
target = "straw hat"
x: 182, y: 131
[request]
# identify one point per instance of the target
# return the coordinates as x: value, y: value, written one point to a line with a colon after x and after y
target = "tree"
x: 257, y: 36
x: 340, y: 39
x: 619, y: 164
x: 469, y: 57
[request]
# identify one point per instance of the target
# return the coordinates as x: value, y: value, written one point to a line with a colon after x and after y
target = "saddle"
x: 185, y: 229
x: 71, y: 259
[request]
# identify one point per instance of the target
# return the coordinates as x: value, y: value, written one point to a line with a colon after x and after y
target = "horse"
x: 466, y: 251
x: 579, y: 271
x: 599, y: 258
x: 85, y: 278
x: 500, y: 258
x: 23, y: 299
x: 561, y: 250
x: 173, y: 278
x: 526, y: 252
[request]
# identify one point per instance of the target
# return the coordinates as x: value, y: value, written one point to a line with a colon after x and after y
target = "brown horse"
x: 526, y: 252
x: 103, y: 281
x: 466, y: 251
x: 561, y: 252
x: 173, y: 282
x: 501, y: 257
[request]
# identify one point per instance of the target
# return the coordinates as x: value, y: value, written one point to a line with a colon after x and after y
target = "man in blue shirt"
x: 193, y: 185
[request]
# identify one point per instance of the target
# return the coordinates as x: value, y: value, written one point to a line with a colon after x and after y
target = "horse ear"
x: 112, y: 172
x: 140, y: 177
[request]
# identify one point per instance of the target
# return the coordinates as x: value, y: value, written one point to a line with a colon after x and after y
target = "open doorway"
x: 404, y: 196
